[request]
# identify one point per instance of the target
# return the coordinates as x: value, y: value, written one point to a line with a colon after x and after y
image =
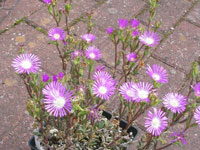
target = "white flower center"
x: 156, y: 77
x: 130, y: 93
x: 149, y: 40
x: 26, y: 64
x: 87, y: 39
x: 132, y: 59
x: 143, y: 94
x: 92, y: 55
x: 155, y: 123
x: 173, y: 102
x: 59, y: 102
x: 56, y: 36
x: 76, y: 53
x: 102, y: 90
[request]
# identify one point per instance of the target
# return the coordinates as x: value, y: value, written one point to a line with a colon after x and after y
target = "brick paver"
x: 168, y: 12
x: 22, y: 8
x: 181, y: 48
x: 194, y: 15
x: 109, y: 13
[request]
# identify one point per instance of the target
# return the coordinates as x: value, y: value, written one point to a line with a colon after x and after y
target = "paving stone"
x: 109, y: 13
x: 168, y: 13
x: 22, y: 8
x: 32, y: 41
x: 18, y: 138
x: 194, y: 15
x: 181, y: 48
x: 47, y: 21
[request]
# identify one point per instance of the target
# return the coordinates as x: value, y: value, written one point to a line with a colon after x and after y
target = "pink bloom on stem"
x: 131, y: 57
x: 135, y: 23
x: 103, y: 90
x: 135, y: 33
x: 158, y: 73
x: 196, y: 89
x: 175, y: 102
x: 61, y: 75
x: 104, y: 85
x: 127, y: 92
x: 156, y: 122
x: 26, y: 63
x: 123, y: 23
x: 47, y: 1
x: 45, y: 77
x: 110, y: 30
x: 88, y: 37
x: 76, y: 53
x: 142, y: 91
x: 179, y: 137
x: 149, y: 38
x: 57, y: 34
x: 93, y: 53
x: 55, y: 78
x: 197, y: 115
x: 57, y: 99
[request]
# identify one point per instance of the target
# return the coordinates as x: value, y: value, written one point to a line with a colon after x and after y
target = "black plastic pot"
x: 106, y: 114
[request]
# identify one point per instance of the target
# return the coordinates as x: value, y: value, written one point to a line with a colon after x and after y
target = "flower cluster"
x: 72, y: 100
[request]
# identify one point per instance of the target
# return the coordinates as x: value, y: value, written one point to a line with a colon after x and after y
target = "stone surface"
x: 181, y: 48
x: 194, y: 15
x: 109, y: 13
x: 20, y: 9
x: 47, y: 21
x: 168, y: 13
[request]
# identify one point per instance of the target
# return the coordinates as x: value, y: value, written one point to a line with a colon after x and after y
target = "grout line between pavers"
x: 167, y: 63
x: 19, y: 21
x: 192, y: 22
x: 171, y: 32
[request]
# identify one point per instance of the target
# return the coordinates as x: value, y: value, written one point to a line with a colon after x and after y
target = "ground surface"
x: 179, y: 47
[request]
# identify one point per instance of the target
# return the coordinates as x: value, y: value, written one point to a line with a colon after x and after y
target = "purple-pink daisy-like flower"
x: 104, y: 77
x: 103, y: 90
x: 47, y: 1
x: 135, y: 23
x: 45, y: 77
x: 142, y: 91
x: 57, y: 99
x: 57, y: 34
x: 157, y: 73
x: 197, y: 115
x: 135, y: 33
x: 110, y: 30
x: 93, y: 53
x: 61, y: 75
x: 149, y: 38
x: 76, y: 53
x: 26, y: 63
x: 196, y: 89
x: 131, y: 57
x: 54, y: 77
x: 88, y: 37
x: 127, y: 92
x: 156, y: 122
x: 179, y: 137
x: 175, y: 102
x: 123, y: 23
